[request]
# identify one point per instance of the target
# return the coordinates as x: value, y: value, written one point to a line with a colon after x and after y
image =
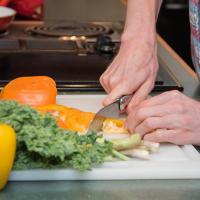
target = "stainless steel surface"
x: 113, y: 110
x: 110, y: 111
x: 124, y: 101
x: 96, y: 124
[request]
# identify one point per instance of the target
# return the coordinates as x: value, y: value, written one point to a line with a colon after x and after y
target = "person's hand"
x: 169, y: 117
x: 132, y: 71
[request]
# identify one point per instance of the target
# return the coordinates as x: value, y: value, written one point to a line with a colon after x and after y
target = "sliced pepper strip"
x: 76, y: 120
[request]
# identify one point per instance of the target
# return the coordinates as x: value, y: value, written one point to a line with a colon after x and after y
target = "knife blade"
x: 113, y: 110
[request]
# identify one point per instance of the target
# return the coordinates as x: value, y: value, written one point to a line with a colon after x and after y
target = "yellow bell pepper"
x: 7, y: 152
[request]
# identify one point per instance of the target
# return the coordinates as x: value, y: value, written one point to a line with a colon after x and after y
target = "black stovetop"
x: 75, y: 63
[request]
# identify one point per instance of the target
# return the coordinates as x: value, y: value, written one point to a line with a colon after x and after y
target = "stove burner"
x: 69, y: 29
x: 3, y: 33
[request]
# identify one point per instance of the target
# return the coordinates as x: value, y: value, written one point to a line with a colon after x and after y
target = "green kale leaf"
x: 42, y: 144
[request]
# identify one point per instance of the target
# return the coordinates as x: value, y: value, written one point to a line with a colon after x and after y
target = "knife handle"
x: 124, y: 101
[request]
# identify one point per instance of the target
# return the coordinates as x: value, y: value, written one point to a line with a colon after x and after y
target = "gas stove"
x: 73, y: 54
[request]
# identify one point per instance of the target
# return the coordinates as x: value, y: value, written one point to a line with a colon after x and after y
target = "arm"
x: 135, y: 66
x: 141, y: 17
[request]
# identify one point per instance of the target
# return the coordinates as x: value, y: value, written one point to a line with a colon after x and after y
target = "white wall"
x: 84, y: 10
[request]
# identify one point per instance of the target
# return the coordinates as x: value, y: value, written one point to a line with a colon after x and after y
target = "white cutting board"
x: 171, y: 162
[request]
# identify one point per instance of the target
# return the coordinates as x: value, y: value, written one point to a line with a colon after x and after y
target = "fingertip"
x: 150, y: 137
x: 106, y: 101
x: 128, y: 127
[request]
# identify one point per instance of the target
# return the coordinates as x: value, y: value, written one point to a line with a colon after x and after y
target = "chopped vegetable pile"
x: 42, y: 144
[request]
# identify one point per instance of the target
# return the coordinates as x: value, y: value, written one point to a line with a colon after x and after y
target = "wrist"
x: 139, y: 37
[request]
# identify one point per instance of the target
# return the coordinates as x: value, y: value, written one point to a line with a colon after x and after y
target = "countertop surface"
x: 114, y: 190
x: 104, y: 190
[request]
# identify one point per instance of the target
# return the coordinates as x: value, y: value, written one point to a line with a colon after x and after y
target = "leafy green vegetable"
x: 42, y: 144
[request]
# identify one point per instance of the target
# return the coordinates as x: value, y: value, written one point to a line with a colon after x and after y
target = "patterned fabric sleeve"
x: 194, y: 8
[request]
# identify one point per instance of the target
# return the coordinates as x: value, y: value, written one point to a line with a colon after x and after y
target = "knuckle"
x: 139, y: 115
x: 179, y: 107
x: 161, y: 135
x: 113, y: 81
x: 148, y: 123
x: 103, y: 78
x: 184, y: 121
x: 124, y: 82
x: 158, y: 135
x: 175, y: 93
x: 169, y: 138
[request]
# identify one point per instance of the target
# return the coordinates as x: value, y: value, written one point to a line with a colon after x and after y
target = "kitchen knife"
x: 113, y: 110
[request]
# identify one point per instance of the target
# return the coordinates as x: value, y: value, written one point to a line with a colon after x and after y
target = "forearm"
x: 141, y: 19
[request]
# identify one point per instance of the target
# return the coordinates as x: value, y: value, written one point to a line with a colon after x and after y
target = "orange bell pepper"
x: 68, y: 118
x: 34, y: 90
x: 77, y: 120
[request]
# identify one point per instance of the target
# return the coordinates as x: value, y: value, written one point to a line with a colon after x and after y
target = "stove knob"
x: 104, y: 44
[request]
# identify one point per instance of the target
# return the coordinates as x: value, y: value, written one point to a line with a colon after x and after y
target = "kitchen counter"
x: 135, y: 189
x: 104, y: 190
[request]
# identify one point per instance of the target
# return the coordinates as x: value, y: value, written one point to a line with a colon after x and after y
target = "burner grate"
x: 69, y: 29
